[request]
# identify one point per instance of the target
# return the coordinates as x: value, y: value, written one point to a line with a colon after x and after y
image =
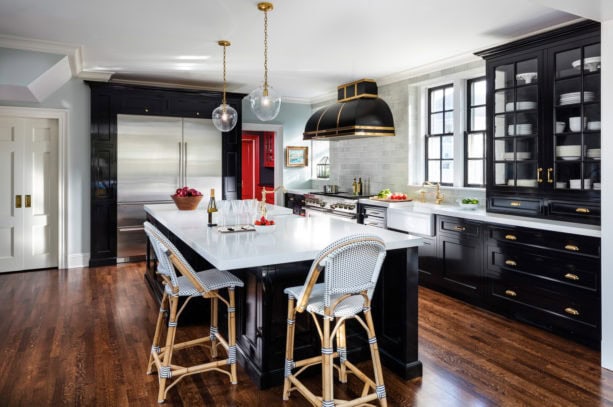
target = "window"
x: 439, y: 140
x: 474, y: 141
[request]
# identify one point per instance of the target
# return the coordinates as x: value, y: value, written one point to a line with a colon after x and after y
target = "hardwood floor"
x: 82, y: 337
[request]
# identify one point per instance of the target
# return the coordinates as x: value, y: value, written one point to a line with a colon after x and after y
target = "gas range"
x: 340, y: 204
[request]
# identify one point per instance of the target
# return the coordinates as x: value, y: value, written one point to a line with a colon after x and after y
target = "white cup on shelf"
x: 577, y: 123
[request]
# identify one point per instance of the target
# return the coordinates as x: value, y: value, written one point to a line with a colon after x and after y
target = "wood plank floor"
x: 81, y: 337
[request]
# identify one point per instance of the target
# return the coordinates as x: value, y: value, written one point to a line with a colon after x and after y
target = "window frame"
x: 469, y: 130
x: 440, y: 136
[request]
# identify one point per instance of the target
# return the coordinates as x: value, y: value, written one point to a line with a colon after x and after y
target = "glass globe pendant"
x: 224, y: 116
x: 265, y: 102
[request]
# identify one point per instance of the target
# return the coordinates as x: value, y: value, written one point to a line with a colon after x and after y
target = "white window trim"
x: 418, y: 93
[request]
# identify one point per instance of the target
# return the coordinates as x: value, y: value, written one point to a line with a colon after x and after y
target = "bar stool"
x: 351, y: 266
x: 189, y: 284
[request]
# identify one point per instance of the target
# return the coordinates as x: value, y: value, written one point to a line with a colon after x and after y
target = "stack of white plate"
x: 521, y: 129
x: 593, y: 125
x: 526, y: 183
x: 575, y: 97
x: 520, y: 105
x: 527, y: 77
x: 520, y: 155
x: 596, y: 186
x: 593, y: 153
x: 589, y: 64
x: 572, y: 152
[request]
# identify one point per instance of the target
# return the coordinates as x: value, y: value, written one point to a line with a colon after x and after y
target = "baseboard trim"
x: 78, y: 260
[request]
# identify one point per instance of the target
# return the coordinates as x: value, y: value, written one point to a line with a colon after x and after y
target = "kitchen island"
x: 270, y: 262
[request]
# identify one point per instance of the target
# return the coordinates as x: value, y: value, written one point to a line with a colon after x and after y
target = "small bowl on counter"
x: 265, y: 228
x: 468, y: 205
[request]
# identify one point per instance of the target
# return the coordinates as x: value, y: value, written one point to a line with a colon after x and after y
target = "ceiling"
x: 314, y: 45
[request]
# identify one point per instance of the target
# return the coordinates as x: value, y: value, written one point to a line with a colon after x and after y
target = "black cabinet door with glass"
x: 543, y: 125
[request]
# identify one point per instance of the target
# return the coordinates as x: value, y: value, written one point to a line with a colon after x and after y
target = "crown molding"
x: 96, y: 76
x: 72, y: 51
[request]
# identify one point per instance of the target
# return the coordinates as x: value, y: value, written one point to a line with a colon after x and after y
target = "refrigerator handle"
x: 185, y: 163
x: 180, y: 180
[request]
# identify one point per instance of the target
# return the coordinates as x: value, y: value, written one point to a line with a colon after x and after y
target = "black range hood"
x: 358, y: 113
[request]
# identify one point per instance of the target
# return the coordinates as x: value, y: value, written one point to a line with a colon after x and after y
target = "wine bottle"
x: 359, y: 186
x: 211, y: 208
x: 354, y: 187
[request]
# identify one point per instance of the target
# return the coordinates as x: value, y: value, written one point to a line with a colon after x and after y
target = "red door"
x: 250, y: 164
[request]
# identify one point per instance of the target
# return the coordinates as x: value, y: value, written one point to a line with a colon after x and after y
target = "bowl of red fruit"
x: 186, y: 198
x: 264, y: 225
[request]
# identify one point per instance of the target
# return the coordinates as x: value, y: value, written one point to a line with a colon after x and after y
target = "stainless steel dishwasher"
x: 373, y: 216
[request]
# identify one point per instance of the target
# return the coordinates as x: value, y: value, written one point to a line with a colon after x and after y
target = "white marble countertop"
x: 295, y: 238
x: 480, y: 214
x: 386, y: 204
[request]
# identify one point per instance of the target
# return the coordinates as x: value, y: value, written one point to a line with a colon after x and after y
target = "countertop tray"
x: 236, y: 228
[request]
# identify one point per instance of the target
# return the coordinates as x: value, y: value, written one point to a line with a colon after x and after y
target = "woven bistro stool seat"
x: 351, y: 267
x: 189, y: 284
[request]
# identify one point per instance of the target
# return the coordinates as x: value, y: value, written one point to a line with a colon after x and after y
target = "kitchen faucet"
x: 438, y: 198
x: 262, y: 202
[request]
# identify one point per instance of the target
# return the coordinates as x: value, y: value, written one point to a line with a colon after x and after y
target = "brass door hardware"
x: 459, y: 228
x: 515, y: 203
x: 17, y: 201
x: 539, y: 175
x: 510, y: 237
x: 571, y: 311
x: 511, y: 293
x: 510, y: 263
x: 571, y: 276
x: 549, y: 178
x: 572, y: 247
x: 28, y: 201
x: 582, y: 210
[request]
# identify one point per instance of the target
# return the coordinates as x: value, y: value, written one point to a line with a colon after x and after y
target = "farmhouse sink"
x: 412, y: 220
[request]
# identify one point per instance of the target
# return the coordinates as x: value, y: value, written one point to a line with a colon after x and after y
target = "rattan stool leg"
x: 376, y: 361
x: 232, y: 335
x: 341, y: 348
x: 155, y: 347
x: 326, y: 366
x: 214, y: 326
x: 289, y: 345
x: 165, y: 371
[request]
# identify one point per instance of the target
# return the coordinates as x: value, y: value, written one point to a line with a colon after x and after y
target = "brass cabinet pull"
x: 17, y: 201
x: 582, y: 210
x: 459, y: 228
x: 510, y: 263
x: 571, y: 276
x: 510, y: 237
x: 549, y: 178
x: 515, y: 203
x: 539, y: 175
x: 28, y: 201
x: 572, y: 247
x: 511, y: 293
x: 571, y: 311
x: 146, y: 110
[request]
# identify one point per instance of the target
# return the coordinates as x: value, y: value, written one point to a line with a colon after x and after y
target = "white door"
x: 28, y: 194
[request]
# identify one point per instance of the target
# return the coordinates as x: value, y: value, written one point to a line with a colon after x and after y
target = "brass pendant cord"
x: 266, y: 7
x: 223, y: 100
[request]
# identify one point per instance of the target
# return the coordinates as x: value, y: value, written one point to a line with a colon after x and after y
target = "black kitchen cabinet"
x: 107, y: 101
x: 543, y: 125
x: 295, y: 202
x: 547, y: 279
x: 460, y: 265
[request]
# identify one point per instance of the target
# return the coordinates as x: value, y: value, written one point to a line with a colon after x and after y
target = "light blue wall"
x: 74, y: 97
x: 293, y: 117
x: 19, y: 67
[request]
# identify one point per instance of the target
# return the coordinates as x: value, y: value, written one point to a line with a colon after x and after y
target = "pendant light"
x: 224, y: 116
x: 265, y: 101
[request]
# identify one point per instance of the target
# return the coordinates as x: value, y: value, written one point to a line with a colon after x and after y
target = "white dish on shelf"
x: 569, y: 157
x: 589, y: 64
x: 560, y: 126
x: 527, y: 77
x: 561, y: 185
x: 593, y: 125
x: 526, y: 183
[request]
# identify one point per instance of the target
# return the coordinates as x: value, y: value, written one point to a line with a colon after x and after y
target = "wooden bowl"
x: 186, y: 203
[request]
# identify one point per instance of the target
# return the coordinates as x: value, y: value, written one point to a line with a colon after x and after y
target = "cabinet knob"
x: 582, y: 210
x: 510, y: 263
x: 459, y: 228
x: 146, y: 110
x: 510, y: 237
x: 571, y: 311
x: 571, y: 276
x: 511, y: 293
x: 572, y: 247
x: 515, y: 203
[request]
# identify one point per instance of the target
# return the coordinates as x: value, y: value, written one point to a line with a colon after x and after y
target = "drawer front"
x: 568, y: 270
x: 517, y: 206
x: 575, y: 210
x: 458, y: 227
x: 575, y: 244
x: 576, y: 307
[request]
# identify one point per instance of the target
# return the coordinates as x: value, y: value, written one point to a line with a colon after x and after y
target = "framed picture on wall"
x: 296, y: 156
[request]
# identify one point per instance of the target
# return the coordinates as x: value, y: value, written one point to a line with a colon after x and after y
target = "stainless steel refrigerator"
x: 155, y: 156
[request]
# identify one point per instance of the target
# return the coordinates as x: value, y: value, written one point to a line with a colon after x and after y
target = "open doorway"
x: 258, y: 164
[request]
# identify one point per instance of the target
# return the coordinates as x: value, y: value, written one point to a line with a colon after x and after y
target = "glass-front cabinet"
x: 543, y: 125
